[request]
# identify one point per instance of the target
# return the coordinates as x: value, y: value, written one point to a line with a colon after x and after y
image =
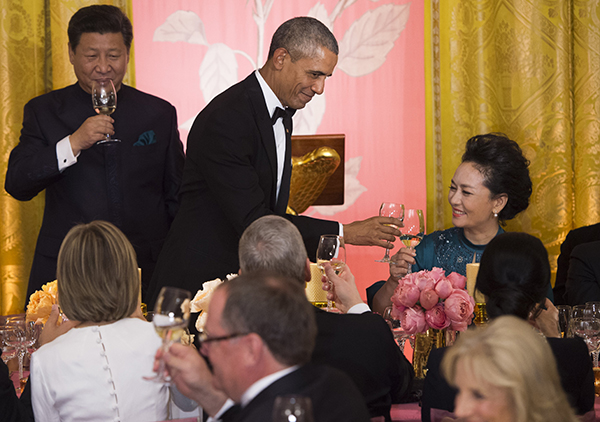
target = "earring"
x: 496, y: 215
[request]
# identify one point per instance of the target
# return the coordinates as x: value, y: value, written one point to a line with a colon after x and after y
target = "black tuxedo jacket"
x: 363, y: 347
x: 574, y: 368
x: 575, y: 237
x: 229, y: 180
x: 132, y: 184
x: 583, y: 279
x: 334, y: 397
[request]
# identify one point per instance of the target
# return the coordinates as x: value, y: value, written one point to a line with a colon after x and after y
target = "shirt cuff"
x: 359, y: 308
x: 341, y: 229
x: 64, y: 154
x: 226, y: 406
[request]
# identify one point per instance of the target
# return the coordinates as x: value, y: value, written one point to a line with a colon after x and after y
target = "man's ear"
x: 307, y: 272
x: 279, y: 57
x: 71, y: 54
x: 254, y: 348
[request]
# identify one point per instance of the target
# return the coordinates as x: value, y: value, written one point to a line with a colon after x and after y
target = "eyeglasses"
x: 205, y: 339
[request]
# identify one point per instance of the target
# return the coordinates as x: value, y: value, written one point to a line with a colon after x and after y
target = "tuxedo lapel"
x: 265, y: 128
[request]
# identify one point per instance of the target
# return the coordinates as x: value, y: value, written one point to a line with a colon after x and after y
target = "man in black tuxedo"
x: 258, y: 337
x: 132, y: 183
x: 583, y: 279
x: 238, y: 164
x: 361, y: 345
x: 575, y: 237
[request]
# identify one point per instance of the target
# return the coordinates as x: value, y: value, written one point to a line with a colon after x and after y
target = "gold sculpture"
x: 310, y: 174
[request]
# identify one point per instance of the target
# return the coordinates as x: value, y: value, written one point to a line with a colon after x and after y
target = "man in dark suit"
x: 238, y: 164
x: 583, y: 279
x: 575, y: 237
x: 259, y: 334
x: 361, y: 345
x: 132, y: 183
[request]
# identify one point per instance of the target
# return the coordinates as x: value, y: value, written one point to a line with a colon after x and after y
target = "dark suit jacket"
x: 334, y: 397
x: 11, y: 408
x: 574, y: 368
x: 229, y: 180
x: 363, y: 347
x: 133, y: 186
x: 575, y: 237
x: 583, y: 280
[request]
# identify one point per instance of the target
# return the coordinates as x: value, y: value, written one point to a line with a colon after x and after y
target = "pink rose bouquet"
x: 429, y: 299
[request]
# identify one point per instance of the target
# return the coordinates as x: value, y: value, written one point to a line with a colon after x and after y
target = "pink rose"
x: 459, y: 326
x: 458, y: 281
x: 408, y: 295
x: 409, y: 278
x: 423, y: 281
x: 437, y: 274
x: 459, y: 308
x: 413, y: 320
x: 436, y: 317
x: 443, y: 288
x: 397, y: 311
x: 428, y: 298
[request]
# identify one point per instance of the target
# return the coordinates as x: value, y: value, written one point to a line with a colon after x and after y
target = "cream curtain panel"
x: 530, y: 69
x: 33, y: 60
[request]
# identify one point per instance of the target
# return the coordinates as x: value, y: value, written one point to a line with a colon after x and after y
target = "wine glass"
x: 170, y: 320
x: 413, y: 230
x: 104, y: 100
x: 390, y: 209
x: 400, y: 336
x: 292, y: 409
x: 564, y: 318
x: 589, y: 330
x: 333, y: 250
x: 8, y: 339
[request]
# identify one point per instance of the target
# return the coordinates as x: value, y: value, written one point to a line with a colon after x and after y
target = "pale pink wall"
x: 382, y: 113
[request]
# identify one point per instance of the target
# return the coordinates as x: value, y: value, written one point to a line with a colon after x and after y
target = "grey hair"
x: 273, y: 244
x: 301, y: 37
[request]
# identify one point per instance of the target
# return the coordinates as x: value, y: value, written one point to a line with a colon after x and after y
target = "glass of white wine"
x: 413, y: 230
x: 390, y: 209
x: 331, y: 249
x: 170, y: 320
x: 104, y: 100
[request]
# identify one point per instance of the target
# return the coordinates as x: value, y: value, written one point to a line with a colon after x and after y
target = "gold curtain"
x: 33, y: 60
x: 530, y: 69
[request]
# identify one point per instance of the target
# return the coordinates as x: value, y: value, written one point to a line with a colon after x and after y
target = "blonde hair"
x: 97, y: 274
x: 508, y: 354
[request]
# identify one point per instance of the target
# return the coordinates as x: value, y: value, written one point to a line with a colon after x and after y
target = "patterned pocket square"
x: 146, y: 138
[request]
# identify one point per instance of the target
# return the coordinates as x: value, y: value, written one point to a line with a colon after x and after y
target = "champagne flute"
x: 390, y: 209
x: 292, y: 409
x: 104, y: 100
x: 333, y: 250
x: 170, y: 321
x: 413, y: 230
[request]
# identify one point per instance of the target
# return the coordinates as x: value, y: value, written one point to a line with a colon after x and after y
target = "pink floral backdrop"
x: 187, y: 51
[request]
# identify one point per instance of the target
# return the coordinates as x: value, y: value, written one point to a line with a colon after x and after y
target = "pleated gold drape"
x: 33, y: 60
x: 530, y: 69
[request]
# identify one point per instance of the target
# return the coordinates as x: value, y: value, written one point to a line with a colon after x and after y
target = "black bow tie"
x: 279, y: 112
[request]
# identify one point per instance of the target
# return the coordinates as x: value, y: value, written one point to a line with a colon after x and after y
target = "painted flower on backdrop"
x: 363, y: 49
x: 429, y: 299
x: 201, y: 301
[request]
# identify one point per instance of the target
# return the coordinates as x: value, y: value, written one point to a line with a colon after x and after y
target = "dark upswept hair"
x: 101, y: 18
x: 97, y: 273
x: 301, y: 37
x: 273, y: 244
x: 504, y: 168
x: 276, y: 309
x: 514, y: 274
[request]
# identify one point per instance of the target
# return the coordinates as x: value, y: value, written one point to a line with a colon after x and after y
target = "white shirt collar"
x: 255, y: 389
x: 270, y: 97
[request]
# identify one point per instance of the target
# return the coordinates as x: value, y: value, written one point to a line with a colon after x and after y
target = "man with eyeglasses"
x: 258, y: 338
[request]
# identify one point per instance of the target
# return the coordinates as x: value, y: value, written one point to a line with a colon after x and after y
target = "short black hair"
x: 505, y: 170
x: 301, y: 37
x: 100, y: 18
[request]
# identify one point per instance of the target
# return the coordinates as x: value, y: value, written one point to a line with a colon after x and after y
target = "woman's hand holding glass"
x: 331, y: 249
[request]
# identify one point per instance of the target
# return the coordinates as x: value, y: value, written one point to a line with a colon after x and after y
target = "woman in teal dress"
x: 490, y: 186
